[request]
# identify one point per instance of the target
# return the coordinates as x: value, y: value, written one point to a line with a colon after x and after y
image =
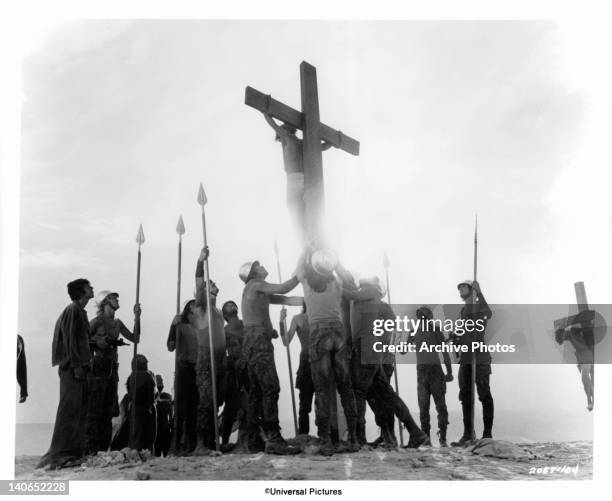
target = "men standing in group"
x: 235, y: 397
x: 476, y: 309
x: 303, y: 381
x: 258, y: 355
x: 431, y: 379
x: 328, y: 352
x: 105, y: 335
x: 205, y: 380
x: 70, y: 352
x: 165, y: 418
x: 370, y: 382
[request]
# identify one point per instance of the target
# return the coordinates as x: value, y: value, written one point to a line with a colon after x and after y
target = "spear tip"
x: 386, y: 262
x: 180, y: 227
x: 202, y: 196
x: 140, y: 237
x: 275, y: 247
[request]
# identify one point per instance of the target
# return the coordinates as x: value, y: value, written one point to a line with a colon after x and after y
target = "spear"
x: 140, y: 239
x: 474, y: 298
x: 386, y: 264
x: 202, y: 200
x: 280, y: 279
x: 180, y: 229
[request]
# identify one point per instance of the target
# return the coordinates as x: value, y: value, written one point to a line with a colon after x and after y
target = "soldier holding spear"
x: 210, y: 367
x: 474, y: 366
x: 283, y: 329
x: 140, y: 239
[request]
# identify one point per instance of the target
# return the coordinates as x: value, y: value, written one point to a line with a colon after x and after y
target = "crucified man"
x: 294, y: 167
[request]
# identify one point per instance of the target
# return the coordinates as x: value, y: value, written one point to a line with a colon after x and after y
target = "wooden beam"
x: 581, y: 299
x: 280, y: 111
x: 314, y: 198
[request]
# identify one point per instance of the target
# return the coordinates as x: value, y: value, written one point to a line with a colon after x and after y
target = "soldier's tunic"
x: 70, y: 350
x: 328, y: 353
x: 258, y: 355
x: 431, y: 380
x: 186, y: 386
x: 371, y: 382
x: 164, y: 407
x: 206, y: 409
x: 102, y: 381
x: 477, y: 311
x: 235, y: 399
x: 303, y: 381
x: 145, y: 429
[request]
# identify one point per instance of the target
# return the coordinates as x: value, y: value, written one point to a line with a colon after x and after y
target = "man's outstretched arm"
x: 270, y: 289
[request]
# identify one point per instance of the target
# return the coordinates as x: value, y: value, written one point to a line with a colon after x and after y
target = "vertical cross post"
x: 313, y: 158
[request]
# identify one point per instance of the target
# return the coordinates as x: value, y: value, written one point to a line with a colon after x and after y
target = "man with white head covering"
x: 258, y: 356
x: 102, y: 381
x: 329, y: 353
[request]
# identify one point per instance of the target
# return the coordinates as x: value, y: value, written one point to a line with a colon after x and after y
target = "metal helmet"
x: 102, y: 295
x: 375, y: 282
x: 324, y: 261
x: 465, y: 282
x: 246, y: 269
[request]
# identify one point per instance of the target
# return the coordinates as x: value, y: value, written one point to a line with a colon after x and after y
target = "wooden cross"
x: 584, y: 317
x: 313, y: 132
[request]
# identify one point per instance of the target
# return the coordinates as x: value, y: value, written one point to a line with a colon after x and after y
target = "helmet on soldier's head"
x: 246, y: 270
x: 373, y: 282
x: 102, y: 295
x: 324, y: 261
x: 465, y: 282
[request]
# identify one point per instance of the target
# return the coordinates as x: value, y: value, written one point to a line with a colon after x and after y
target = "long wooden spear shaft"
x: 474, y: 299
x: 386, y: 264
x: 280, y: 279
x: 140, y: 239
x: 202, y: 201
x: 180, y: 229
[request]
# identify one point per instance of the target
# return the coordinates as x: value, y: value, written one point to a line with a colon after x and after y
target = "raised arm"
x: 286, y: 300
x: 126, y: 333
x: 277, y: 128
x: 270, y: 289
x: 200, y: 297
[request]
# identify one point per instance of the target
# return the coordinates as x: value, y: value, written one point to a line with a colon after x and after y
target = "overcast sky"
x: 122, y: 120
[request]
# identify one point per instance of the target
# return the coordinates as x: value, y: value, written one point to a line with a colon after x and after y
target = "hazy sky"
x: 122, y: 120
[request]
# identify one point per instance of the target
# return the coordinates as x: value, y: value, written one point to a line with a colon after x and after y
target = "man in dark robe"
x: 70, y: 352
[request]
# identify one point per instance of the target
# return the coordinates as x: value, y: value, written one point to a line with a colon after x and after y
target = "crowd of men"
x: 335, y: 333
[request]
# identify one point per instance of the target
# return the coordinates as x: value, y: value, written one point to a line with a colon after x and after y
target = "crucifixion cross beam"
x: 313, y: 132
x: 584, y: 316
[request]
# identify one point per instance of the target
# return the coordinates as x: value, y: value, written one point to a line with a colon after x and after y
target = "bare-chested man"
x: 294, y: 167
x: 258, y: 354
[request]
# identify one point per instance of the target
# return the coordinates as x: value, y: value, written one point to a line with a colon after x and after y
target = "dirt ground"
x: 565, y: 461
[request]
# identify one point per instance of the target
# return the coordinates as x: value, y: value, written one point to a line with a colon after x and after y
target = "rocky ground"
x: 488, y: 460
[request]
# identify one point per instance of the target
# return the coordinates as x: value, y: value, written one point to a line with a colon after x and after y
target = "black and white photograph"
x: 310, y: 253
